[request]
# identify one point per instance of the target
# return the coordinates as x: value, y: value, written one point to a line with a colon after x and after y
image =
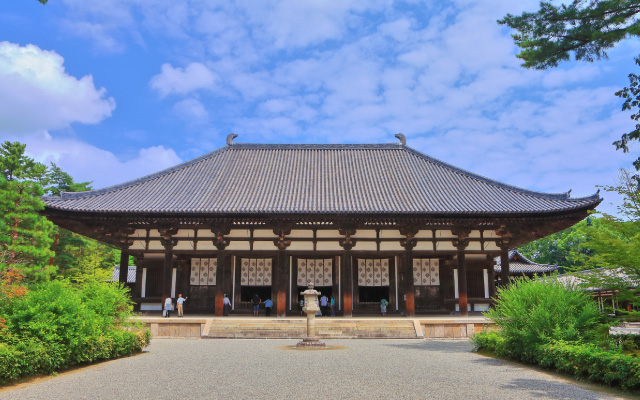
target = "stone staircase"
x: 325, y: 328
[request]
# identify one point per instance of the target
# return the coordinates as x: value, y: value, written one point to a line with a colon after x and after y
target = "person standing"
x: 255, y: 300
x: 332, y: 304
x: 267, y: 307
x: 301, y: 304
x: 179, y: 302
x: 323, y: 305
x: 383, y: 307
x: 226, y: 305
x: 168, y: 306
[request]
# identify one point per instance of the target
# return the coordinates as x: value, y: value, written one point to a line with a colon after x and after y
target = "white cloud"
x: 178, y: 80
x: 85, y: 162
x: 37, y: 94
x: 191, y: 110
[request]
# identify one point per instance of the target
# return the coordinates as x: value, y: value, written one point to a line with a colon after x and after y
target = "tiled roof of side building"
x: 521, y: 264
x: 315, y: 178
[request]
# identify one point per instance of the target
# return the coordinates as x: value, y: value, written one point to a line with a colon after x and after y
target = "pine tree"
x: 25, y: 235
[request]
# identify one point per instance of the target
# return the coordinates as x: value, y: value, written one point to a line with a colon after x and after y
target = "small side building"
x: 520, y: 266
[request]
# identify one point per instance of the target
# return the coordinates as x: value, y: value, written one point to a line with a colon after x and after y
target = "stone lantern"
x: 311, y: 307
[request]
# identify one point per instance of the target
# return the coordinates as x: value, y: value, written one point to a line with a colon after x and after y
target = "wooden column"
x: 124, y: 266
x: 168, y: 243
x: 346, y: 279
x: 137, y: 289
x: 220, y: 279
x: 167, y: 272
x: 492, y: 279
x: 347, y: 271
x: 462, y: 283
x: 407, y: 286
x: 281, y: 274
x: 461, y: 244
x: 281, y: 283
x: 221, y: 243
x: 504, y: 264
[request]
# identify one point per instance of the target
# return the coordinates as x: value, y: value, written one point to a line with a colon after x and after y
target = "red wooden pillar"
x: 346, y: 279
x: 408, y: 286
x: 281, y: 283
x: 462, y: 284
x: 220, y: 280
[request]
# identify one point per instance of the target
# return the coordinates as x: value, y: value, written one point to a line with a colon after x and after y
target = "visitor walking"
x: 255, y: 300
x: 323, y: 305
x: 179, y: 302
x: 167, y: 307
x: 267, y: 307
x: 383, y: 307
x: 301, y: 304
x: 226, y: 305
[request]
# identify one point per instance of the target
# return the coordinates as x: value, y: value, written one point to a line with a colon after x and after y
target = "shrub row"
x: 57, y: 325
x: 584, y: 361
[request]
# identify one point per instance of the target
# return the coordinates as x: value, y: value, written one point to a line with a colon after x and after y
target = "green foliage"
x: 534, y: 312
x: 586, y: 28
x: 82, y: 259
x: 565, y: 248
x: 25, y: 235
x: 591, y: 362
x: 56, y: 325
x: 59, y: 181
x: 631, y: 96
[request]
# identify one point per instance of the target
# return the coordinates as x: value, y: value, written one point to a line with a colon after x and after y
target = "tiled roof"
x: 521, y: 264
x: 302, y: 179
x: 131, y: 274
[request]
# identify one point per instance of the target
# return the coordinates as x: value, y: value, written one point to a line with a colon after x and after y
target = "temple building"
x: 362, y: 222
x: 520, y: 267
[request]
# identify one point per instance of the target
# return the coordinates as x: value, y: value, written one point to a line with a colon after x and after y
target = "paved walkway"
x: 252, y: 369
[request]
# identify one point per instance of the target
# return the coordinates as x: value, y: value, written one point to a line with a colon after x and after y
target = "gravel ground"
x: 252, y: 369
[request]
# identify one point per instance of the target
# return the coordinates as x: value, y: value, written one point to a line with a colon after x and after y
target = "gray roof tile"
x: 521, y: 264
x: 289, y: 178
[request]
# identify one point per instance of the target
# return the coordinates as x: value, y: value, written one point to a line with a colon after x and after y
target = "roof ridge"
x: 551, y: 196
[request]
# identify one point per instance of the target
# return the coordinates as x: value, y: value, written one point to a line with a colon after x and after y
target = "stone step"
x: 324, y: 328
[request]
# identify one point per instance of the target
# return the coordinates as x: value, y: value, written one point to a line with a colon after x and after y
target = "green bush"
x: 56, y: 325
x: 532, y: 312
x: 591, y: 362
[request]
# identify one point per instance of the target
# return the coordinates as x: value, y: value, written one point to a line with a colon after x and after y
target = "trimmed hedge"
x: 593, y: 363
x: 57, y: 325
x: 583, y: 361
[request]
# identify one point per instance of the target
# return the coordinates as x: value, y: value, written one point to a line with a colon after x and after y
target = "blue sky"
x: 114, y: 90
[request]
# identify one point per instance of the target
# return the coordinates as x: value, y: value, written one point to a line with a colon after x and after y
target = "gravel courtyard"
x: 263, y: 369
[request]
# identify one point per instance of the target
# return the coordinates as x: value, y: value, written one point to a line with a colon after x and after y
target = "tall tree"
x: 616, y: 249
x: 59, y: 181
x: 586, y: 28
x: 24, y: 234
